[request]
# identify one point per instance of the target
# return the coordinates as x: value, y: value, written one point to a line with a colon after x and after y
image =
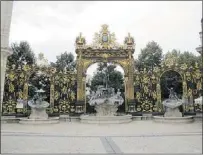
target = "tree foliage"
x: 22, y: 54
x: 107, y: 72
x: 186, y: 57
x: 149, y: 57
x: 64, y: 60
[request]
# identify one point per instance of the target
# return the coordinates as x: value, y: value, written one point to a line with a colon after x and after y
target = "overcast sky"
x: 52, y: 26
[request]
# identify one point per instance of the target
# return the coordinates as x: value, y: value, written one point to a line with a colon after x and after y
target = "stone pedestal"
x: 106, y: 110
x: 38, y: 114
x: 172, y: 112
x: 161, y: 119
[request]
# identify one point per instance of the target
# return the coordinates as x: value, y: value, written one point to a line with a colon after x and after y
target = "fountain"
x: 38, y: 105
x: 172, y: 113
x: 38, y: 110
x: 106, y: 103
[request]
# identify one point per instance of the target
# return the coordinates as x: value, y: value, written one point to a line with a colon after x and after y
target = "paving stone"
x: 74, y: 137
x: 36, y: 144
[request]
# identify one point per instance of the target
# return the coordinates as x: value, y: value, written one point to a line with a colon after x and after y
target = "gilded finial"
x: 104, y: 28
x: 80, y: 40
x: 80, y: 35
x: 129, y: 34
x: 129, y: 41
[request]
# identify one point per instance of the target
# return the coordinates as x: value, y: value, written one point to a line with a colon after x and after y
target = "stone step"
x: 136, y: 118
x: 52, y: 120
x: 65, y: 118
x: 75, y: 118
x: 9, y: 119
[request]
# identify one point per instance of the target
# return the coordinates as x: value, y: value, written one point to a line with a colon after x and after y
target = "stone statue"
x: 172, y: 104
x: 172, y: 94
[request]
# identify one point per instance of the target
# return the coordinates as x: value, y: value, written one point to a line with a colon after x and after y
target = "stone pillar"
x: 200, y: 48
x: 126, y: 92
x: 131, y: 79
x: 201, y: 33
x: 6, y: 14
x: 79, y: 80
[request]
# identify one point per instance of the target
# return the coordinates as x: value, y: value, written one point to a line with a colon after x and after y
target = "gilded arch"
x: 104, y: 49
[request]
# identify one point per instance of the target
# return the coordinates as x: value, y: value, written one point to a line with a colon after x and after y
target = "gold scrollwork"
x: 147, y: 106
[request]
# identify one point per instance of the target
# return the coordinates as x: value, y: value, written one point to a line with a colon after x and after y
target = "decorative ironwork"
x: 61, y: 89
x: 148, y: 88
x: 64, y: 89
x: 16, y: 87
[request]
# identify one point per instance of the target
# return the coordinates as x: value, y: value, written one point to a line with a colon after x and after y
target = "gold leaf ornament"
x: 11, y: 88
x: 11, y: 76
x: 184, y: 66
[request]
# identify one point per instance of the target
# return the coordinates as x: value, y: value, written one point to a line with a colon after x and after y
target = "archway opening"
x: 107, y: 75
x: 171, y: 80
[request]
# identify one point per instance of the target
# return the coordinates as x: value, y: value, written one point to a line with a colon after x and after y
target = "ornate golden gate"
x: 104, y: 49
x: 67, y: 88
x: 148, y: 87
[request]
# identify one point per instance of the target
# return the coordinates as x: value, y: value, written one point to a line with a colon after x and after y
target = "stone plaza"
x: 75, y: 137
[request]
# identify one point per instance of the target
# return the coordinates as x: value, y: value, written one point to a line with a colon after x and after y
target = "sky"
x: 51, y: 27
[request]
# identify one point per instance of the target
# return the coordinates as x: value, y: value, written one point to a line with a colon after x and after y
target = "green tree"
x: 149, y: 57
x: 186, y: 57
x: 64, y: 60
x: 22, y: 54
x: 107, y: 73
x: 189, y: 58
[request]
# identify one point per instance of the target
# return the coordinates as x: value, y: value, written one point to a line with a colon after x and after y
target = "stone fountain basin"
x: 172, y: 103
x: 43, y: 105
x: 30, y: 121
x: 162, y: 119
x: 97, y: 102
x: 108, y: 101
x: 39, y: 106
x: 38, y: 114
x: 91, y: 119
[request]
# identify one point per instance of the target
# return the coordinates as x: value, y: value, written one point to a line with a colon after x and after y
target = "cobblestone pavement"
x: 134, y: 137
